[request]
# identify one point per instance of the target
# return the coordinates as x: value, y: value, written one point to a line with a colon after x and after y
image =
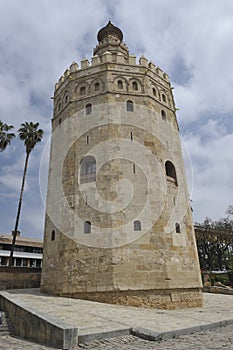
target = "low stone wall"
x: 218, y: 290
x: 19, y: 277
x: 37, y: 327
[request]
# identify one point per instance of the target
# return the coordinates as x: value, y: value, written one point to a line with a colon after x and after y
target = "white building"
x: 28, y: 252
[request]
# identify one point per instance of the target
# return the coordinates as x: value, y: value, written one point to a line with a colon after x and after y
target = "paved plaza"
x: 92, y: 317
x: 218, y: 339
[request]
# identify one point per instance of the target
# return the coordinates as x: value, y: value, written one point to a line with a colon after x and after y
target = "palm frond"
x: 5, y: 136
x: 30, y: 134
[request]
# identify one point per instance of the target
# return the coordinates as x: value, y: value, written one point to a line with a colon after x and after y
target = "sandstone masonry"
x: 118, y: 221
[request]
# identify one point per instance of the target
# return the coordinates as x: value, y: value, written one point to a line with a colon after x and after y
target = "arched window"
x: 135, y: 86
x: 164, y: 98
x: 163, y: 114
x: 137, y: 225
x: 177, y: 227
x: 83, y: 90
x: 53, y: 234
x: 88, y: 108
x: 154, y: 92
x: 171, y: 171
x: 120, y: 84
x: 66, y: 99
x: 97, y: 86
x: 60, y: 121
x: 87, y: 227
x: 129, y: 106
x: 87, y: 170
x: 59, y: 106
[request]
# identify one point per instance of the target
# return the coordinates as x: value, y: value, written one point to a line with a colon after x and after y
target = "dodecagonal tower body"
x: 118, y: 223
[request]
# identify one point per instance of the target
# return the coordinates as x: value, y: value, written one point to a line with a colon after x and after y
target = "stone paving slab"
x: 98, y: 318
x: 218, y: 339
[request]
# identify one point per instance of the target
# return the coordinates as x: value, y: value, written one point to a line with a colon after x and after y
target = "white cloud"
x: 212, y: 163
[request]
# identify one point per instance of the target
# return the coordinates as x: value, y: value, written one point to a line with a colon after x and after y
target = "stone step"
x: 6, y: 327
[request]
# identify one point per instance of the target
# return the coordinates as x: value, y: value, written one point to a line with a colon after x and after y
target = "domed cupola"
x: 109, y: 31
x: 110, y: 39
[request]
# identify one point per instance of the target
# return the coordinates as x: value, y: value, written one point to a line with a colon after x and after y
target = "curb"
x: 146, y: 334
x: 86, y: 338
x: 152, y: 336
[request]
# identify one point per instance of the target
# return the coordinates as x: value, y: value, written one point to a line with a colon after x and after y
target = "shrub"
x: 230, y: 277
x: 222, y: 278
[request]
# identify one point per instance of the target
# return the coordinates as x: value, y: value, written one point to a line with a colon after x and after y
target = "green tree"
x: 215, y: 243
x: 31, y: 135
x: 205, y: 244
x: 5, y: 135
x: 224, y: 242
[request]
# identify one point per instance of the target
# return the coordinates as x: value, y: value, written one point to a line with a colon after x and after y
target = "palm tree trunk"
x: 18, y: 211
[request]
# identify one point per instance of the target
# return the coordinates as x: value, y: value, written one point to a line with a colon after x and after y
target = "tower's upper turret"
x: 109, y: 30
x: 110, y: 39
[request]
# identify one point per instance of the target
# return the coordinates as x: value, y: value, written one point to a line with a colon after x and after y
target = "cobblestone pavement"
x: 12, y: 343
x: 219, y: 339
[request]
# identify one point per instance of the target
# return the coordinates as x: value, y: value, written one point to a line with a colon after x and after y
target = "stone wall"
x: 19, y: 277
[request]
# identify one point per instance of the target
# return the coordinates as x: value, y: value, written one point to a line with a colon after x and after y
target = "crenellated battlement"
x: 111, y: 58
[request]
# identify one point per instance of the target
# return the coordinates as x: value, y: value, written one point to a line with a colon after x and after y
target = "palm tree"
x: 31, y: 135
x: 5, y: 136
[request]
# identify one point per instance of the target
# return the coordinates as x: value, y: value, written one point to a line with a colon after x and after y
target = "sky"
x: 190, y: 40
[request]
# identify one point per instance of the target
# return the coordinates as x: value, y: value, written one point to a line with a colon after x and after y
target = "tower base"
x: 168, y: 299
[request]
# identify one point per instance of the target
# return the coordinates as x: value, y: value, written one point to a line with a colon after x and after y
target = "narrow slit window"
x: 178, y: 228
x: 163, y: 114
x: 131, y: 136
x: 87, y: 140
x: 120, y: 84
x: 134, y: 169
x: 88, y: 108
x: 53, y: 234
x: 97, y: 86
x: 135, y: 86
x: 87, y: 227
x: 83, y: 90
x: 129, y: 106
x: 137, y: 225
x: 164, y: 98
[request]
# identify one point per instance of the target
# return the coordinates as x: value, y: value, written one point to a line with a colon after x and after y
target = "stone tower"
x: 118, y: 223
